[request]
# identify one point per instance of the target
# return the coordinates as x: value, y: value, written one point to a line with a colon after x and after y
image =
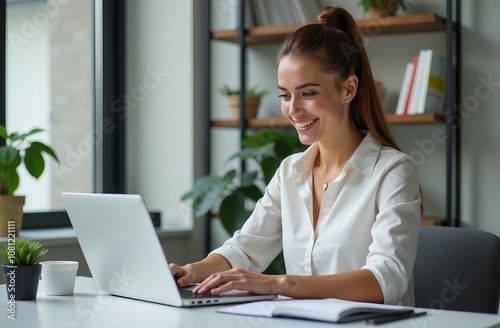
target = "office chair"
x: 457, y: 269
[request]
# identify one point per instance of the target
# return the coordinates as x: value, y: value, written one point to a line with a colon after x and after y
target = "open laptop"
x: 124, y: 255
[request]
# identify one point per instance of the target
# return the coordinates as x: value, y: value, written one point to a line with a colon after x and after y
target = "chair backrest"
x: 457, y: 269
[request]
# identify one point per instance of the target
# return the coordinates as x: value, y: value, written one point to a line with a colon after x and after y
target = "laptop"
x: 124, y: 255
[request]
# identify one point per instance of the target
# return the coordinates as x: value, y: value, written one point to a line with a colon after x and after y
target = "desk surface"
x: 89, y: 308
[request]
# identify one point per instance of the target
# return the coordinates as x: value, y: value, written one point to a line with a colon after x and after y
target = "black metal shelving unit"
x: 452, y: 98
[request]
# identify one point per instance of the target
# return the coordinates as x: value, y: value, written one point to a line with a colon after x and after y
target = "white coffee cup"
x: 58, y: 277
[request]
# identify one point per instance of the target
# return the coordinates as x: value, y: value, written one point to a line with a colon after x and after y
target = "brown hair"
x: 335, y: 42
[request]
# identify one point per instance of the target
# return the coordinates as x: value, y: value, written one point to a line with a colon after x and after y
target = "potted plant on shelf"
x: 382, y: 8
x: 18, y: 148
x: 252, y: 100
x: 22, y: 268
x: 236, y: 192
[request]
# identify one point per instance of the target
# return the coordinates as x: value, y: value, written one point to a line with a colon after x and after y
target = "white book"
x: 294, y: 15
x: 279, y: 8
x: 300, y: 11
x: 405, y: 86
x: 417, y: 83
x: 329, y: 310
x: 263, y: 12
x: 432, y: 95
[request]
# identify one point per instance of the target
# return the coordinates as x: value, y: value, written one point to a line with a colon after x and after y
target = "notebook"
x: 328, y: 310
x: 124, y: 255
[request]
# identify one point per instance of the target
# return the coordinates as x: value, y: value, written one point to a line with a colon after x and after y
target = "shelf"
x: 254, y: 122
x: 402, y: 24
x: 283, y: 122
x: 414, y: 119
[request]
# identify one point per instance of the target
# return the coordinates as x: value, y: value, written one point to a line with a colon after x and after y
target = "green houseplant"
x: 234, y: 193
x: 382, y: 8
x: 22, y: 268
x: 18, y: 148
x: 252, y: 100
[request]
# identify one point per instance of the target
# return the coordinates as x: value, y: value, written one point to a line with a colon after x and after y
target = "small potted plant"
x: 17, y: 149
x: 382, y: 8
x: 22, y: 268
x: 252, y: 100
x: 234, y: 193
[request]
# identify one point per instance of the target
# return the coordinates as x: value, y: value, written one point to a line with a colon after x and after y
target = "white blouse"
x: 369, y: 219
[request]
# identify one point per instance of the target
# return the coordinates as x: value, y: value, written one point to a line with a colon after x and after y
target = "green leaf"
x: 269, y: 166
x: 232, y: 211
x: 16, y: 136
x: 44, y: 148
x: 246, y: 153
x: 248, y: 178
x: 3, y: 132
x: 188, y: 195
x: 26, y: 252
x: 263, y: 137
x: 34, y: 162
x: 252, y: 192
x: 207, y: 191
x: 8, y: 155
x: 10, y: 178
x: 229, y: 176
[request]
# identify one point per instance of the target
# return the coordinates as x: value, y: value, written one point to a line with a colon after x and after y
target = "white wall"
x: 160, y: 121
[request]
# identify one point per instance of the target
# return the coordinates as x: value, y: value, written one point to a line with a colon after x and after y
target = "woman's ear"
x: 351, y: 87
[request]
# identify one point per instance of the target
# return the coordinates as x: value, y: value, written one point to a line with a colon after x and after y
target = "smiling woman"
x: 346, y: 211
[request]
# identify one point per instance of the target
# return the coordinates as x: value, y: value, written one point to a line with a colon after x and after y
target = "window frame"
x: 109, y: 85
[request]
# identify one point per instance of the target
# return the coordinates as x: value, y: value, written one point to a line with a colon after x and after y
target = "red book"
x: 415, y: 64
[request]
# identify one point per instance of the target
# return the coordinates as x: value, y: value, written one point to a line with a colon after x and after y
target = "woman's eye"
x: 308, y: 93
x: 284, y: 96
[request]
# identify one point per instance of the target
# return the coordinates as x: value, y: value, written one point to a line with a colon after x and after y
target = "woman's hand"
x: 237, y: 278
x: 182, y: 274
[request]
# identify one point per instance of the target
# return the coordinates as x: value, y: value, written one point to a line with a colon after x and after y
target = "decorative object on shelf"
x: 252, y: 101
x: 237, y: 192
x: 18, y: 149
x: 382, y: 8
x: 22, y: 268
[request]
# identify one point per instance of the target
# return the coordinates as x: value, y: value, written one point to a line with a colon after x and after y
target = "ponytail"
x: 335, y: 42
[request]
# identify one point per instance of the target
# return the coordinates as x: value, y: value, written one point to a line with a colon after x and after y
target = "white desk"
x: 89, y: 308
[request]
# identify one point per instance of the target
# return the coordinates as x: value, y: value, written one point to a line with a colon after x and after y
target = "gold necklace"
x: 325, y: 185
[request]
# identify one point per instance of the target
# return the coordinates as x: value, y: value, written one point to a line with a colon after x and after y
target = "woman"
x: 345, y: 212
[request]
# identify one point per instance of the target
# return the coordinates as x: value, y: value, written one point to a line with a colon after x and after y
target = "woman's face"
x: 311, y: 100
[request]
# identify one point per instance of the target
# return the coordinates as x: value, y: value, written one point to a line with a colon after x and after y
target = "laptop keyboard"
x: 186, y: 293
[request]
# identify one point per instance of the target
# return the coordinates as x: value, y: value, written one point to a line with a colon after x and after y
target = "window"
x: 49, y: 84
x: 64, y: 67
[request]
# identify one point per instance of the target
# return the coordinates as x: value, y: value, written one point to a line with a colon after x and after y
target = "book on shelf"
x: 329, y: 310
x: 407, y: 87
x: 423, y: 86
x: 276, y: 12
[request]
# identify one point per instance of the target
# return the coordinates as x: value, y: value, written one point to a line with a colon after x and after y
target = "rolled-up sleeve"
x: 392, y: 253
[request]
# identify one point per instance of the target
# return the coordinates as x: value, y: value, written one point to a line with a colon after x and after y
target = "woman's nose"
x: 295, y: 108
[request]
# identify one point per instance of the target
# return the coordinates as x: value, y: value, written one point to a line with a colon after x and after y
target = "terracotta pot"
x: 251, y: 106
x: 11, y: 214
x: 386, y: 9
x: 21, y: 282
